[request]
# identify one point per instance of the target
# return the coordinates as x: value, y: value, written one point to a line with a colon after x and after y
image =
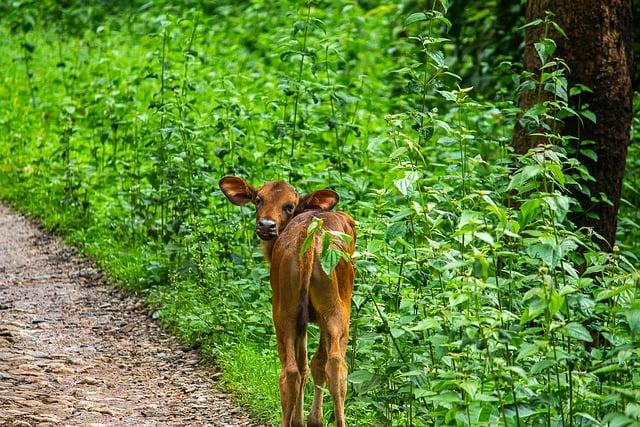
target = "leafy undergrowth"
x: 477, y: 301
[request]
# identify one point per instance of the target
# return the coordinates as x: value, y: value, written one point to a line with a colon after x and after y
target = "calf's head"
x: 276, y: 203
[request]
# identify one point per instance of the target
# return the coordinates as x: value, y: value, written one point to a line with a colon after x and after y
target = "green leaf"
x: 633, y: 317
x: 360, y: 376
x: 589, y: 115
x: 587, y: 417
x: 545, y: 49
x: 610, y: 293
x: 556, y: 173
x: 312, y: 229
x: 485, y: 237
x: 619, y: 420
x: 633, y: 410
x: 415, y: 17
x: 534, y: 309
x: 330, y: 259
x: 447, y: 141
x: 544, y: 252
x: 533, y: 23
x: 326, y: 241
x: 396, y: 332
x: 556, y: 303
x: 523, y: 411
x: 470, y: 388
x: 396, y: 229
x: 529, y: 211
x: 425, y: 325
x: 526, y: 350
x: 541, y: 365
x: 614, y: 367
x: 577, y: 331
x: 590, y: 154
x: 523, y: 176
x: 344, y: 237
x: 406, y: 185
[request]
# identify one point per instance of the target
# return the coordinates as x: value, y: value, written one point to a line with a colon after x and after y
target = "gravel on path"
x: 75, y: 350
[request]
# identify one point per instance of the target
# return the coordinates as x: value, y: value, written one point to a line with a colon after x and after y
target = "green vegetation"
x: 477, y: 301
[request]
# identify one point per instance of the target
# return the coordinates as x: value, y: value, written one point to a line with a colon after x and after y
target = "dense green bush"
x: 477, y: 301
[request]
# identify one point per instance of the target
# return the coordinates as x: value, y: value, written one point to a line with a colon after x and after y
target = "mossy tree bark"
x: 598, y: 51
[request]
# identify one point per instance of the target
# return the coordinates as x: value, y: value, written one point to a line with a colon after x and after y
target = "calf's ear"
x: 323, y: 200
x: 237, y: 190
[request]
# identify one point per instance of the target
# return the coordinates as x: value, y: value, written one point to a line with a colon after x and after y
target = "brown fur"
x: 303, y: 292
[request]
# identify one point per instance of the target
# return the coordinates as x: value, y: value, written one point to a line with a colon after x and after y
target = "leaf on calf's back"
x: 340, y: 235
x: 330, y: 259
x: 312, y: 229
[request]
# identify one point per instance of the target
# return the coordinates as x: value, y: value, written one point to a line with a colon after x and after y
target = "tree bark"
x: 599, y: 52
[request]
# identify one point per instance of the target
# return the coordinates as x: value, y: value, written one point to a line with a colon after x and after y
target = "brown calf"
x: 302, y: 291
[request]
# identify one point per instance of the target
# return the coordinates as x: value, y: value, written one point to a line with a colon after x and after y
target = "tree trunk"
x: 599, y: 52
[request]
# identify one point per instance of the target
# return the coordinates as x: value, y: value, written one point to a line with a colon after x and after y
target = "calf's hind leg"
x: 335, y: 366
x: 301, y: 359
x: 319, y: 374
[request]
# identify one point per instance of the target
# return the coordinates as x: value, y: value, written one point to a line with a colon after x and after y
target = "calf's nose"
x: 266, y: 225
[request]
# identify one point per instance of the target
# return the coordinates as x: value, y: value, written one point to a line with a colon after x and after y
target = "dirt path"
x: 76, y: 351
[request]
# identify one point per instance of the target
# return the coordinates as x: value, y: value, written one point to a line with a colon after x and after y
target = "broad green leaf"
x: 406, y: 185
x: 312, y: 229
x: 619, y: 420
x: 526, y: 350
x: 396, y: 332
x: 590, y: 154
x: 556, y: 173
x: 633, y: 317
x: 545, y: 49
x: 326, y: 241
x: 339, y: 235
x: 470, y: 388
x: 589, y: 115
x: 577, y: 331
x: 587, y: 417
x: 415, y: 17
x: 330, y: 259
x: 523, y: 176
x: 614, y: 367
x: 555, y: 304
x: 541, y: 366
x: 523, y: 411
x: 396, y: 229
x: 610, y: 293
x: 544, y: 252
x: 633, y: 410
x: 529, y: 211
x: 360, y: 376
x: 485, y: 237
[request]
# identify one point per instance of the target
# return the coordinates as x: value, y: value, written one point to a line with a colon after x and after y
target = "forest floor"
x: 74, y: 350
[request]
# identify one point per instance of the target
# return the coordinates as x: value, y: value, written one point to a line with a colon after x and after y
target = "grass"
x: 252, y: 374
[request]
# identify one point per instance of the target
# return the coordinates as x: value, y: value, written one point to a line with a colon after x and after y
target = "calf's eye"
x: 289, y: 209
